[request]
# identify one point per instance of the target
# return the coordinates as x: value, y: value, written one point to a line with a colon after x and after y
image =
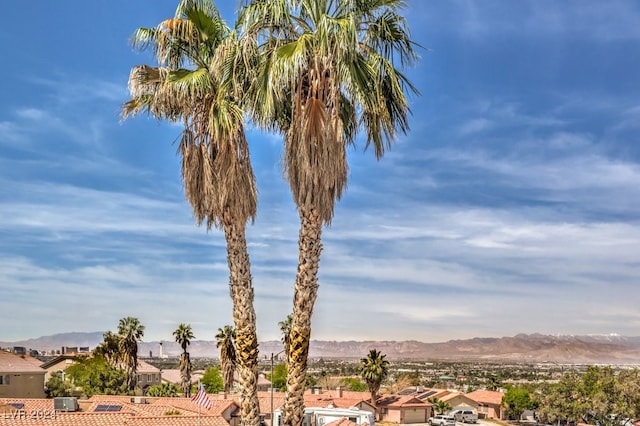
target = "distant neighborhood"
x: 22, y: 394
x: 330, y: 397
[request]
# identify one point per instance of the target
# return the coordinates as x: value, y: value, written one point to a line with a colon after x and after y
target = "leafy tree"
x: 598, y: 396
x: 58, y: 386
x: 164, y: 389
x: 184, y: 335
x: 212, y: 380
x: 353, y: 384
x: 109, y: 349
x: 279, y: 378
x: 96, y: 376
x: 130, y: 331
x: 628, y: 388
x: 328, y: 69
x: 191, y: 84
x: 225, y: 340
x: 374, y: 369
x: 518, y: 400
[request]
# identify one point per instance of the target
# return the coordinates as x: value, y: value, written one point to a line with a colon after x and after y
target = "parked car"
x: 464, y: 416
x: 442, y: 420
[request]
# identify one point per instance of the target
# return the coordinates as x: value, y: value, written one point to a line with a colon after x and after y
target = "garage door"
x: 414, y: 415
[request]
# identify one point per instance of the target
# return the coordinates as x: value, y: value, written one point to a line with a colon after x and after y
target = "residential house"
x: 57, y: 364
x: 403, y: 409
x: 147, y: 375
x: 489, y: 404
x: 20, y: 376
x: 460, y: 401
x: 110, y: 410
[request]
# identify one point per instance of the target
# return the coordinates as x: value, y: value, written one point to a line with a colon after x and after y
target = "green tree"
x: 109, y: 349
x: 439, y: 405
x: 628, y: 387
x: 184, y: 335
x: 374, y: 369
x: 225, y: 340
x: 212, y: 380
x: 57, y: 385
x: 279, y: 378
x: 96, y: 376
x: 597, y: 396
x: 130, y: 331
x: 353, y: 384
x: 517, y: 400
x: 191, y: 85
x: 328, y: 69
x: 164, y: 389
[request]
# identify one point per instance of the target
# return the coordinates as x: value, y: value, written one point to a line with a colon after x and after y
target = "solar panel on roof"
x: 107, y: 407
x: 427, y: 395
x: 17, y: 405
x: 408, y: 391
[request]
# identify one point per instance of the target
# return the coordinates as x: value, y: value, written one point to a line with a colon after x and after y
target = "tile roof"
x: 172, y: 376
x: 130, y: 414
x: 144, y: 368
x: 487, y: 397
x: 29, y: 403
x: 12, y: 363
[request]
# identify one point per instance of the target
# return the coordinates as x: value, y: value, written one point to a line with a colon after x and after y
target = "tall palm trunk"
x: 244, y: 321
x: 305, y: 292
x: 185, y: 374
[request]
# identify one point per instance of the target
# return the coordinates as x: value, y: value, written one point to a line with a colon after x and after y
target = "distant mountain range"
x: 605, y: 349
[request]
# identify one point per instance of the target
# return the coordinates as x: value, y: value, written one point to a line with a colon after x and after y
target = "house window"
x: 149, y: 379
x: 384, y: 410
x: 4, y: 380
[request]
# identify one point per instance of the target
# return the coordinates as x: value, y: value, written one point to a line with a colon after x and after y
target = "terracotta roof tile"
x: 487, y: 397
x: 12, y: 363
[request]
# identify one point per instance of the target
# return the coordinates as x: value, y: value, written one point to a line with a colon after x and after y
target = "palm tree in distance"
x: 374, y: 369
x: 225, y: 340
x: 130, y: 331
x: 109, y: 349
x: 184, y: 335
x: 285, y: 329
x: 196, y: 83
x: 328, y: 69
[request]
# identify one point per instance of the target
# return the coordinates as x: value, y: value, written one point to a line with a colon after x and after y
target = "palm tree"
x: 109, y: 349
x: 130, y: 331
x: 374, y: 369
x: 285, y: 329
x: 225, y: 340
x: 184, y: 335
x: 439, y: 405
x: 196, y: 83
x: 328, y: 68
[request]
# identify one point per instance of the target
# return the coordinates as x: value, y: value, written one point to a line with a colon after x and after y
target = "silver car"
x: 442, y: 420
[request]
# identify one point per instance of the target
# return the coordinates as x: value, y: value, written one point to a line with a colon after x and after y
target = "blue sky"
x: 513, y: 205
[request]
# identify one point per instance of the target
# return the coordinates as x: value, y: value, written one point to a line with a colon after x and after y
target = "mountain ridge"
x: 536, y: 347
